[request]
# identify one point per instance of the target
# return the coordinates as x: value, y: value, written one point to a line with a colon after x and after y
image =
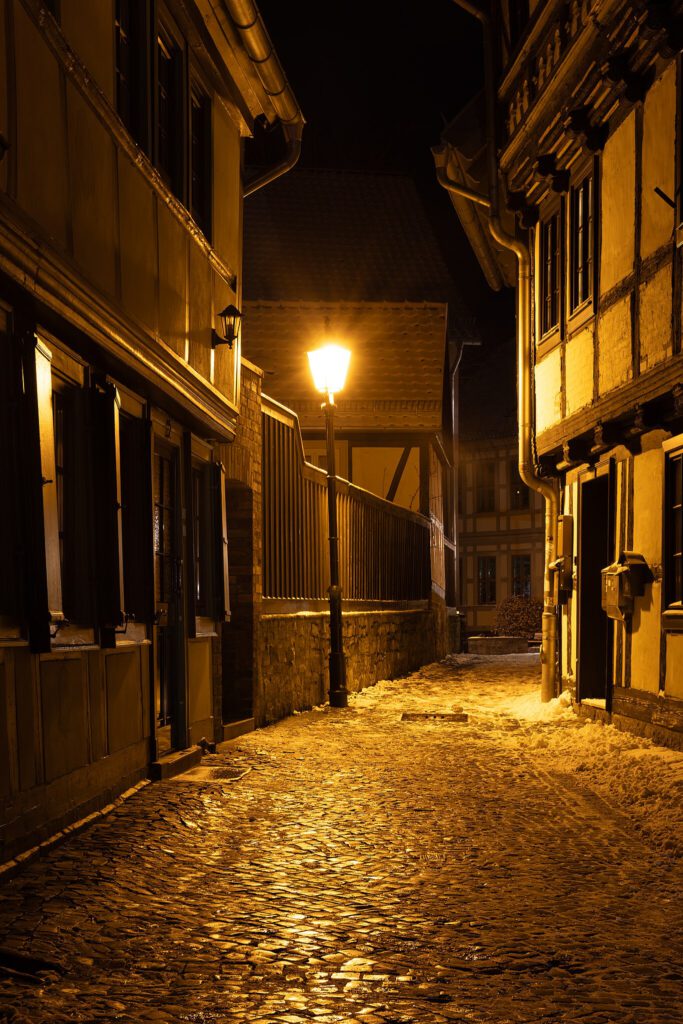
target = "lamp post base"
x: 339, y: 695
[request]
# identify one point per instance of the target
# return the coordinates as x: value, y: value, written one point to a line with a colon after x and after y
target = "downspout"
x: 527, y: 466
x: 259, y: 48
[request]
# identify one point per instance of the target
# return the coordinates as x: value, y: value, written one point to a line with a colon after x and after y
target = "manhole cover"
x: 207, y: 774
x: 434, y: 716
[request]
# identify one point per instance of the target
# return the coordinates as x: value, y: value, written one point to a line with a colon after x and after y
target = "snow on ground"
x: 639, y: 779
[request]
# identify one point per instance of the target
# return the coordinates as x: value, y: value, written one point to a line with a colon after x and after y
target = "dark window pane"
x: 132, y: 68
x: 170, y: 122
x: 486, y: 579
x: 521, y: 575
x: 486, y: 486
x: 200, y: 161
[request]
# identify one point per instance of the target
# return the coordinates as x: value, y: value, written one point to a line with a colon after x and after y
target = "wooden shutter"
x: 108, y: 512
x: 44, y: 596
x: 189, y: 575
x: 12, y: 444
x: 137, y: 521
x: 221, y: 589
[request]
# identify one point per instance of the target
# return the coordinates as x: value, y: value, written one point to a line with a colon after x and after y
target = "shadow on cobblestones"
x: 368, y: 869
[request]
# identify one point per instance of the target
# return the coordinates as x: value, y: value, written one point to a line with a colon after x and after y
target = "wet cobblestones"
x: 364, y: 869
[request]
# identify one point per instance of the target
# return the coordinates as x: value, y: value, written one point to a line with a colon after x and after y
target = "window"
x: 75, y: 496
x: 200, y: 162
x: 581, y: 243
x: 169, y: 119
x: 486, y: 579
x: 673, y: 566
x: 486, y: 486
x: 170, y: 122
x: 521, y: 575
x: 519, y: 16
x: 550, y: 273
x: 519, y: 492
x: 132, y: 69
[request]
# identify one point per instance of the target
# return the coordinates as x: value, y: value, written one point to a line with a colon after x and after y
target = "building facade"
x: 121, y: 187
x: 589, y: 108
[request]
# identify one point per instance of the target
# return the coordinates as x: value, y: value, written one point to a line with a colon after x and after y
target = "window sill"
x: 581, y: 316
x: 548, y: 342
x: 672, y: 620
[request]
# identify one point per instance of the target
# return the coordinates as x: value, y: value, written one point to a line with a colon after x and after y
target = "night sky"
x: 377, y: 82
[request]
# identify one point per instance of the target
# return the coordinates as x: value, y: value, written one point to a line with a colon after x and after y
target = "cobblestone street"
x: 367, y: 868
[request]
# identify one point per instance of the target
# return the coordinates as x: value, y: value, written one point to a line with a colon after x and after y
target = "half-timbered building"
x: 585, y: 121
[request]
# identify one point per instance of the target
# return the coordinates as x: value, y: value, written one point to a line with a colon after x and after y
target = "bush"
x: 519, y: 616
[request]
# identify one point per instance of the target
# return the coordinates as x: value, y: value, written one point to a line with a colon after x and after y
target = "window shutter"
x: 189, y: 520
x: 221, y: 590
x: 108, y: 511
x: 44, y: 596
x: 135, y: 437
x: 11, y: 445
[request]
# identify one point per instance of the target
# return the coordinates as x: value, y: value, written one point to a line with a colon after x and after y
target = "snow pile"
x: 530, y: 707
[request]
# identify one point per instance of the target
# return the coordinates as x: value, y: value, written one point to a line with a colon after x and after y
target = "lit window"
x: 674, y: 532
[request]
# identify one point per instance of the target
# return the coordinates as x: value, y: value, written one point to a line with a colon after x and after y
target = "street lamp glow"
x: 329, y: 366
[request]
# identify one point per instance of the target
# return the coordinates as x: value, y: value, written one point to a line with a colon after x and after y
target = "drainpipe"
x: 259, y: 48
x: 527, y: 466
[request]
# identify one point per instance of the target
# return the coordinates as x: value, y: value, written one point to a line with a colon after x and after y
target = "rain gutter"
x: 261, y: 53
x: 528, y: 470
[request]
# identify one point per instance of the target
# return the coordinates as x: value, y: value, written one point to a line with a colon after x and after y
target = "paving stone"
x: 367, y: 870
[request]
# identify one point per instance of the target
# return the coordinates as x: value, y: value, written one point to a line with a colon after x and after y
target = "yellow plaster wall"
x: 648, y: 471
x: 173, y: 255
x: 227, y: 188
x: 656, y: 338
x: 91, y: 38
x: 200, y: 311
x: 673, y: 684
x: 138, y: 244
x: 618, y: 205
x: 659, y: 130
x: 548, y: 391
x: 579, y: 370
x: 93, y: 193
x: 199, y: 673
x: 41, y: 131
x: 614, y: 346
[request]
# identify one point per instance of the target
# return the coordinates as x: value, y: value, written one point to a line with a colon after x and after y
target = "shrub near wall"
x: 294, y: 650
x: 519, y: 616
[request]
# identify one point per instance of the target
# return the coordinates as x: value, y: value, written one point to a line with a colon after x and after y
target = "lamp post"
x: 329, y: 365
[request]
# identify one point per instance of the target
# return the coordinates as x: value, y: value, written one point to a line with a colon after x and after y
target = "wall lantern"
x: 230, y: 325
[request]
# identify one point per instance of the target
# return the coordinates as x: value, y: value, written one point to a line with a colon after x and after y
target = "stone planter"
x: 497, y: 645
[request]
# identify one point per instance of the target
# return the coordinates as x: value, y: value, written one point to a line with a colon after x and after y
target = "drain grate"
x: 204, y: 773
x: 434, y: 716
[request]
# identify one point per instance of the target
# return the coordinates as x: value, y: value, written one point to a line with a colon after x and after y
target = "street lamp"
x: 329, y: 365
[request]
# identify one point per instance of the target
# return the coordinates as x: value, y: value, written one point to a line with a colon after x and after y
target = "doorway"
x: 596, y: 544
x: 169, y: 674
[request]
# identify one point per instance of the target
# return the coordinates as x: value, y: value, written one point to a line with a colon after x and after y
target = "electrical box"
x: 563, y: 566
x: 622, y: 582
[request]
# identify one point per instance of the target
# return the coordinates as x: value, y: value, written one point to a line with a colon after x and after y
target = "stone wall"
x: 294, y: 648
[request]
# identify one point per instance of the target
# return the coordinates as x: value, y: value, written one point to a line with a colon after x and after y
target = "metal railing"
x: 385, y: 551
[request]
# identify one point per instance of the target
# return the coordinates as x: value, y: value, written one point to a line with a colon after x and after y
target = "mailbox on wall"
x: 622, y: 582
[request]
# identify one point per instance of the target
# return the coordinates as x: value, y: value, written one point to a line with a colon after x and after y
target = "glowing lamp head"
x: 329, y: 366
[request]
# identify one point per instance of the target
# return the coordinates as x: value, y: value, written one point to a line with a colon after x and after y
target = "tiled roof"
x: 396, y: 374
x: 333, y: 236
